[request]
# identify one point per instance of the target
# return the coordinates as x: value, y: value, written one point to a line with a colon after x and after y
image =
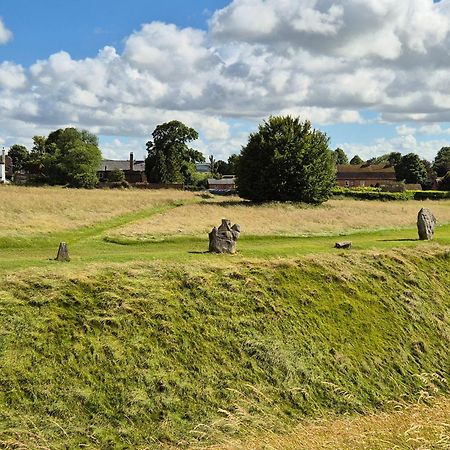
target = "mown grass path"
x: 90, y: 244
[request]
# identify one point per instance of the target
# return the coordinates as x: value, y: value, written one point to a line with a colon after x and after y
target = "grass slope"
x: 138, y: 355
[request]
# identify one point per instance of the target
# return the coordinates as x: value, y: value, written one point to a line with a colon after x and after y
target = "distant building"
x: 225, y: 185
x: 349, y: 175
x: 203, y: 167
x: 6, y: 167
x: 133, y: 170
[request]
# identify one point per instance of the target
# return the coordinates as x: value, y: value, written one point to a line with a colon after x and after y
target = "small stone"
x: 345, y: 244
x: 63, y: 252
x: 223, y: 239
x: 425, y: 224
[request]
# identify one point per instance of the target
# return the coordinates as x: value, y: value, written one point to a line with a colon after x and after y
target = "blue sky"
x: 374, y: 75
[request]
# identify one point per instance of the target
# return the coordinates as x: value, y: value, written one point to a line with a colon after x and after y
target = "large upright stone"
x: 425, y: 224
x: 223, y: 239
x: 63, y: 253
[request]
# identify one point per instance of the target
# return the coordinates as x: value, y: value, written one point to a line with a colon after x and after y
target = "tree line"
x: 286, y: 159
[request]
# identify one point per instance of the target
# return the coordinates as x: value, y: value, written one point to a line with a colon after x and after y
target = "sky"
x: 373, y: 74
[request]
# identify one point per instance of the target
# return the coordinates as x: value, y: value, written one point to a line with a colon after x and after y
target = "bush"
x: 116, y: 175
x: 370, y: 194
x: 286, y: 160
x: 431, y: 195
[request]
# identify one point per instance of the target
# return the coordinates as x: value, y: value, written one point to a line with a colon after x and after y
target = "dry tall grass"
x: 33, y: 210
x: 410, y: 427
x: 334, y: 216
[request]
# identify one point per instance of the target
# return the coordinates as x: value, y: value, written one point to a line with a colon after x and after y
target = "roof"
x: 367, y: 172
x: 113, y: 164
x: 223, y: 181
x: 203, y: 167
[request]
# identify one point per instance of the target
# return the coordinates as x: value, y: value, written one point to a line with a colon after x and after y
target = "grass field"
x: 407, y: 427
x: 35, y: 210
x: 333, y: 217
x: 145, y: 341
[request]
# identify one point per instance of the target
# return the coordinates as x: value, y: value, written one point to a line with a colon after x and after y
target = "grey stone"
x: 63, y: 252
x: 345, y: 244
x: 223, y: 239
x: 426, y: 223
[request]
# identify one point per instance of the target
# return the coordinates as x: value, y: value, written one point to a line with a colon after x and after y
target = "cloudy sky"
x: 373, y: 74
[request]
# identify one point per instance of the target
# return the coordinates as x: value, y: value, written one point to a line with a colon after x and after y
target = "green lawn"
x: 91, y: 245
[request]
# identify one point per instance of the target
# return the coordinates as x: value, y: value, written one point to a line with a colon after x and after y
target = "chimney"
x: 131, y: 161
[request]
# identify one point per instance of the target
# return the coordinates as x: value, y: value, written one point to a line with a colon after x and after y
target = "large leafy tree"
x: 169, y: 159
x: 286, y: 160
x: 19, y: 155
x: 442, y: 161
x: 411, y: 169
x: 340, y: 157
x: 67, y: 156
x: 356, y: 160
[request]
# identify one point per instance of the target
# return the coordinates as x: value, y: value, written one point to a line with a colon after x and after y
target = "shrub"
x: 286, y: 160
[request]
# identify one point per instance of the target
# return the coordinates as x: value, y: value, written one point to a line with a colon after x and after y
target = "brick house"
x: 365, y: 175
x: 134, y: 171
x: 226, y: 184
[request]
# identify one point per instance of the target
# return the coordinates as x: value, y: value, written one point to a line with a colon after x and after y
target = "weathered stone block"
x: 345, y: 244
x: 223, y: 239
x: 426, y: 223
x: 63, y: 252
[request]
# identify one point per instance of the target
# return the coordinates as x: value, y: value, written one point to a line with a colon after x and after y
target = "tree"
x: 340, y: 157
x: 411, y: 169
x: 19, y: 155
x: 169, y: 158
x: 356, y: 161
x: 286, y: 160
x: 431, y: 175
x: 444, y: 185
x: 67, y: 156
x: 394, y: 158
x: 442, y: 161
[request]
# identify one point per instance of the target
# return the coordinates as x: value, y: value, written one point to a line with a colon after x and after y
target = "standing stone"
x: 223, y: 239
x: 63, y: 252
x: 425, y: 224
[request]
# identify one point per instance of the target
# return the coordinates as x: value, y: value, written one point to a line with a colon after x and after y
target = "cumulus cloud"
x: 314, y: 58
x: 5, y: 34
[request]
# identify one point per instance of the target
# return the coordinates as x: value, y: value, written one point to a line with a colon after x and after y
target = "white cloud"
x: 319, y: 59
x: 5, y: 34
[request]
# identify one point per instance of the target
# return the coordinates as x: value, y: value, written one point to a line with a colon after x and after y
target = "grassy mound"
x: 135, y: 356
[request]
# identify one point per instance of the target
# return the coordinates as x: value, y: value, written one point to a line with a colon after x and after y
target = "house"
x: 349, y: 175
x: 133, y: 170
x: 226, y: 185
x: 203, y: 167
x: 6, y: 167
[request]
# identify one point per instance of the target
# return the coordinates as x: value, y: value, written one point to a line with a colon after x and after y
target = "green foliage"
x: 372, y: 194
x: 229, y: 167
x: 19, y: 155
x: 169, y: 158
x: 391, y: 159
x: 356, y: 161
x: 68, y: 156
x: 286, y: 160
x: 431, y: 195
x: 411, y: 169
x: 376, y: 194
x: 116, y: 175
x: 445, y: 182
x: 139, y: 356
x: 442, y: 161
x: 340, y: 157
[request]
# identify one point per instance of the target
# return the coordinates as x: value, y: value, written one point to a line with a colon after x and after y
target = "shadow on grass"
x: 398, y: 240
x: 199, y: 253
